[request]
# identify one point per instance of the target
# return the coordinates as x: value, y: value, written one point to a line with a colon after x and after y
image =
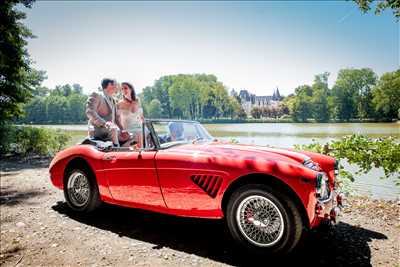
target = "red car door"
x: 176, y: 168
x: 132, y: 178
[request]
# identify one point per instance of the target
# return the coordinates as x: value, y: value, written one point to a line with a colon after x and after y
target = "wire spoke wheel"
x: 260, y: 221
x: 78, y: 189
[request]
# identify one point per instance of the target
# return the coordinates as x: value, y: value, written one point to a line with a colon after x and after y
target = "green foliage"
x: 386, y: 96
x: 241, y: 114
x: 301, y: 105
x: 319, y: 100
x: 256, y: 112
x: 184, y: 95
x: 35, y: 110
x: 353, y: 93
x: 272, y: 111
x: 64, y: 104
x: 25, y: 141
x: 356, y: 95
x: 154, y: 109
x: 191, y: 96
x: 366, y: 153
x: 17, y: 77
x: 394, y: 5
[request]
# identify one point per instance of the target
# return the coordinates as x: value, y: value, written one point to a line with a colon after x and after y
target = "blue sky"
x: 254, y: 45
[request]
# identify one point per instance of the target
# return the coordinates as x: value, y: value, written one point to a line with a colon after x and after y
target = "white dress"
x: 132, y: 121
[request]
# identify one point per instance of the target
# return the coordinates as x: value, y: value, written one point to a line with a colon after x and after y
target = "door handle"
x: 110, y: 157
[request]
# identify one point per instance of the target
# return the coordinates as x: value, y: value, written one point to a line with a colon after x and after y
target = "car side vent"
x: 210, y: 184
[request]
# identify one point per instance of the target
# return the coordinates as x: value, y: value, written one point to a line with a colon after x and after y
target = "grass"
x: 76, y: 137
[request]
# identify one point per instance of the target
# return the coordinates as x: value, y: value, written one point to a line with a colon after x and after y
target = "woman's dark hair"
x: 106, y: 81
x: 130, y: 86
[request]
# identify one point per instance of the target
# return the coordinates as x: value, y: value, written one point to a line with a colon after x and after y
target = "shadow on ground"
x: 11, y: 197
x: 10, y: 165
x: 346, y: 245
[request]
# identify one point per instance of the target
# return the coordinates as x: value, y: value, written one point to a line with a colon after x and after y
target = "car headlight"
x: 322, y: 186
x: 336, y: 167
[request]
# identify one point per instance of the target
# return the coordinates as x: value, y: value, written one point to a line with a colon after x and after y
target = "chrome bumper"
x: 330, y: 210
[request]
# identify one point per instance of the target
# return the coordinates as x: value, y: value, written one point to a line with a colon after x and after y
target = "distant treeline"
x: 190, y: 96
x: 357, y: 94
x: 63, y: 104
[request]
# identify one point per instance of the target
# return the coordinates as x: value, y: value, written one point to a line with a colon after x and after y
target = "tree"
x: 301, y: 105
x: 77, y: 89
x: 344, y: 103
x: 160, y: 91
x: 301, y: 109
x: 320, y: 108
x: 191, y: 96
x: 57, y: 109
x: 320, y: 91
x: 394, y: 5
x: 41, y: 91
x: 207, y: 102
x: 64, y: 90
x: 282, y: 109
x: 17, y: 77
x: 256, y: 112
x: 386, y: 95
x: 35, y: 111
x: 77, y: 107
x: 242, y: 114
x: 234, y: 107
x: 155, y: 109
x: 352, y: 93
x: 184, y: 96
x: 304, y: 90
x: 63, y: 104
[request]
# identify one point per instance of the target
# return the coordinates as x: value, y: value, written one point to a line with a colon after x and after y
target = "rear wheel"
x: 262, y: 220
x: 80, y: 190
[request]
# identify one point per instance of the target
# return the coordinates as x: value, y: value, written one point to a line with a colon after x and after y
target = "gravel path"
x: 37, y: 228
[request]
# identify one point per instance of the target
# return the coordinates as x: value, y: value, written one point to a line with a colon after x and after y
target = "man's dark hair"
x: 105, y: 82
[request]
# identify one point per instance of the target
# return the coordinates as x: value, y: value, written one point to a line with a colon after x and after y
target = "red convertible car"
x: 268, y: 196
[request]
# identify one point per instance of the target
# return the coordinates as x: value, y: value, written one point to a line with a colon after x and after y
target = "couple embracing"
x: 119, y: 122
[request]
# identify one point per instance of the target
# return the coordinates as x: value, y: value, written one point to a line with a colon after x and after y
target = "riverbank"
x: 37, y: 228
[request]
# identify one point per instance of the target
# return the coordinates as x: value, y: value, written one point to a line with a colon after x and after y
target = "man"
x: 176, y: 131
x: 102, y: 113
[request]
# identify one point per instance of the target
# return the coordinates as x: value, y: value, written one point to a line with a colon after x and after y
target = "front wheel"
x: 262, y: 220
x: 81, y: 191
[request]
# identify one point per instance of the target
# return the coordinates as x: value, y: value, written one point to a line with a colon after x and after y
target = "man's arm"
x: 91, y: 110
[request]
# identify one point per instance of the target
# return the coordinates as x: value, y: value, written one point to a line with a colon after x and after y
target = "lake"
x: 289, y: 134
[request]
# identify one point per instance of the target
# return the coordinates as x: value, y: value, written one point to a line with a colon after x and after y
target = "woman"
x: 130, y: 112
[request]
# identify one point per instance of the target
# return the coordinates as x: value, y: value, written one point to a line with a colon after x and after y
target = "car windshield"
x: 171, y: 133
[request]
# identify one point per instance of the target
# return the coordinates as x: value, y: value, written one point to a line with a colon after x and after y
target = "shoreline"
x: 228, y: 121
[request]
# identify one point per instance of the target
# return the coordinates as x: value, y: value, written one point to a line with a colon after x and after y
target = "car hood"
x: 245, y: 151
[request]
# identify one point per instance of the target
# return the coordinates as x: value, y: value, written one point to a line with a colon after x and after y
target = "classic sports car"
x: 268, y: 196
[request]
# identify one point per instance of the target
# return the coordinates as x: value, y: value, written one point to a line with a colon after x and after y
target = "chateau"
x: 249, y: 101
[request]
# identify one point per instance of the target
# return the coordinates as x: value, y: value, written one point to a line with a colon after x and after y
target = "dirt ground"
x: 37, y: 228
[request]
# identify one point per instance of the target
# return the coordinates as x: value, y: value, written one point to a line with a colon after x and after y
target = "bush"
x: 363, y: 152
x: 27, y: 140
